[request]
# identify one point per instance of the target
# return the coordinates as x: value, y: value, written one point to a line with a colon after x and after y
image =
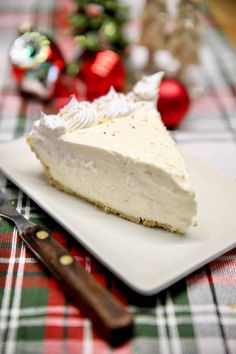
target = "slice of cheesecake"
x: 117, y: 154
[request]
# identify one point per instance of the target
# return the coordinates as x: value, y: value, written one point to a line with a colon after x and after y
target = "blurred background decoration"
x: 108, y: 53
x: 170, y: 30
x: 98, y: 30
x: 223, y: 14
x: 99, y: 71
x: 98, y: 25
x: 36, y: 63
x: 171, y: 34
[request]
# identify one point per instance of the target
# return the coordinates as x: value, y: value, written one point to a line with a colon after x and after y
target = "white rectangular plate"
x: 146, y: 259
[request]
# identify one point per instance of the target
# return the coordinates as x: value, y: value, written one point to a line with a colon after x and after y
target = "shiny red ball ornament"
x: 100, y: 71
x: 36, y: 64
x: 173, y: 102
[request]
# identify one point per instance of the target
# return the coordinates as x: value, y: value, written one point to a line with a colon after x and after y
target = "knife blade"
x: 109, y: 316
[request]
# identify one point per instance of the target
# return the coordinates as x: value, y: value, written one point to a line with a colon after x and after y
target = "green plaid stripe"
x: 196, y: 315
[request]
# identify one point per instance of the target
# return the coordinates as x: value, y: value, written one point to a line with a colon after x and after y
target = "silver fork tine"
x: 8, y: 211
x: 3, y: 196
x: 2, y: 180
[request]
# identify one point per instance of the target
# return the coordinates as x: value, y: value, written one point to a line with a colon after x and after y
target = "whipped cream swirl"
x: 50, y: 125
x: 113, y: 105
x: 78, y: 115
x: 147, y: 88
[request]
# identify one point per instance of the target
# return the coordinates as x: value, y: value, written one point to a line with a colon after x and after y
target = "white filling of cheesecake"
x: 116, y: 151
x: 133, y: 189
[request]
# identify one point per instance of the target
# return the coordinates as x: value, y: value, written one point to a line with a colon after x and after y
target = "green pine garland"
x: 98, y: 24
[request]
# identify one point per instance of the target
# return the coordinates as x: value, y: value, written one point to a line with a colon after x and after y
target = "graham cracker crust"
x: 107, y: 209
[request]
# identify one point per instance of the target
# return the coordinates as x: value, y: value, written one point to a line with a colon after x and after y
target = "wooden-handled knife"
x: 109, y: 316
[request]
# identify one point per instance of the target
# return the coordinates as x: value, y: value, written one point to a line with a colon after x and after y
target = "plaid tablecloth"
x: 196, y: 315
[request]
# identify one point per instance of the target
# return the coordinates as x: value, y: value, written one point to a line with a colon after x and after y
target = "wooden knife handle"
x: 109, y: 316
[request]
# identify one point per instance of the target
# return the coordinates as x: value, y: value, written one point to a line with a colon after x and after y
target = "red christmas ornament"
x: 36, y: 64
x: 173, y: 102
x: 100, y: 71
x: 68, y: 86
